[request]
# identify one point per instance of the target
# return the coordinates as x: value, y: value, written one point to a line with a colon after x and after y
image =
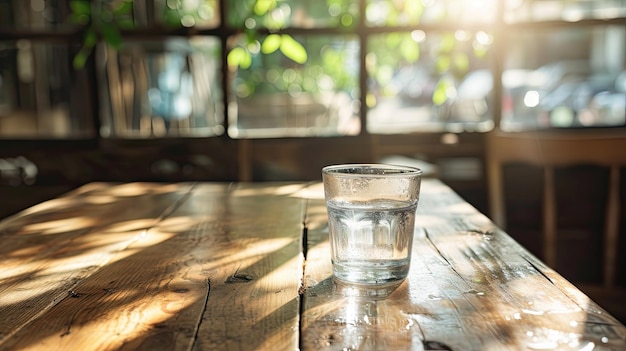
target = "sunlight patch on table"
x: 59, y: 226
x: 248, y: 252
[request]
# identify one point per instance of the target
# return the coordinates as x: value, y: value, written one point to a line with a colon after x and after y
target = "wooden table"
x: 208, y: 266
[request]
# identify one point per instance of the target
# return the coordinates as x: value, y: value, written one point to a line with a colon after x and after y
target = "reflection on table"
x: 246, y: 266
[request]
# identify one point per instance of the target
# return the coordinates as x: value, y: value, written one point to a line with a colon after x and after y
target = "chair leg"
x: 549, y: 218
x: 611, y: 239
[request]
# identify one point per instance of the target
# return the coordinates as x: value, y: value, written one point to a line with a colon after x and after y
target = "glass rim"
x: 388, y: 170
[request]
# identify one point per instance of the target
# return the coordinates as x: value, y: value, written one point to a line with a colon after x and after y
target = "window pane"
x: 56, y: 14
x: 41, y: 95
x: 292, y: 13
x: 413, y: 12
x: 35, y: 15
x: 579, y: 82
x: 276, y: 96
x: 429, y: 82
x: 177, y: 13
x: 573, y: 10
x: 162, y: 88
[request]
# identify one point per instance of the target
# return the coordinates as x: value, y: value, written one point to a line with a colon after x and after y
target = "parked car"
x: 414, y: 85
x: 526, y: 93
x: 568, y: 102
x: 474, y: 95
x: 609, y: 107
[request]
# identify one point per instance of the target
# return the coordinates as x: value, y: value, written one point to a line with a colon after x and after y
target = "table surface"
x: 245, y: 266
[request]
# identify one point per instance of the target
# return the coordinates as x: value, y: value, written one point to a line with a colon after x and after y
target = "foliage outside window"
x: 285, y: 68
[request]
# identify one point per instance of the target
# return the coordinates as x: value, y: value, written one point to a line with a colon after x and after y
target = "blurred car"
x: 474, y: 95
x: 414, y: 85
x: 563, y: 106
x: 609, y: 107
x: 551, y: 75
x: 526, y: 93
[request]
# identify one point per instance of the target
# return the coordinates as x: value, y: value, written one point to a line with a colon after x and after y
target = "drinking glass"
x: 371, y: 219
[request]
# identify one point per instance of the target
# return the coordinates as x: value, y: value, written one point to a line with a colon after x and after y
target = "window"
x: 303, y: 68
x: 40, y: 94
x: 275, y: 96
x: 161, y: 87
x: 569, y: 11
x: 580, y: 82
x: 420, y: 87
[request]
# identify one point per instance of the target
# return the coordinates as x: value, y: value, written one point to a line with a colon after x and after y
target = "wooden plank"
x: 219, y: 266
x: 175, y: 288
x: 48, y: 249
x: 470, y: 287
x: 255, y: 270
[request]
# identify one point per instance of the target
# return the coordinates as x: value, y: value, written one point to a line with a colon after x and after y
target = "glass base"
x: 371, y: 274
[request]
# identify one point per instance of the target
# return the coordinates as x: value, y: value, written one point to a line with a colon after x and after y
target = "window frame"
x: 245, y: 153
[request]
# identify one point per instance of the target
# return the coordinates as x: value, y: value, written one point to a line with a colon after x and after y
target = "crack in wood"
x: 430, y: 241
x: 238, y: 278
x: 302, y: 288
x: 537, y: 269
x: 194, y: 340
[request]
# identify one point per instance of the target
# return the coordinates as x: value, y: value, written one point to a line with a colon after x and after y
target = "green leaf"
x: 262, y: 7
x: 80, y: 7
x: 480, y: 51
x: 90, y: 38
x: 79, y: 60
x: 461, y: 62
x: 81, y: 19
x: 124, y: 8
x: 81, y: 57
x: 410, y: 49
x: 239, y: 57
x: 271, y: 44
x: 125, y: 23
x: 414, y: 10
x: 111, y: 35
x: 447, y: 42
x: 293, y: 49
x: 172, y: 18
x: 440, y: 93
x: 347, y: 20
x: 443, y: 63
x: 393, y: 40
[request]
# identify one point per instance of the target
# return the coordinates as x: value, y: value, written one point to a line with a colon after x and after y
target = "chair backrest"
x: 549, y: 151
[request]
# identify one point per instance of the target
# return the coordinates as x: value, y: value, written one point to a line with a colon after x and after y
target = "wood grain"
x: 470, y: 287
x: 244, y: 266
x: 255, y: 272
x: 160, y: 278
x: 48, y: 249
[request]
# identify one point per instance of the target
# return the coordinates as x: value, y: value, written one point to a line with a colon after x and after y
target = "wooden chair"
x: 549, y: 151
